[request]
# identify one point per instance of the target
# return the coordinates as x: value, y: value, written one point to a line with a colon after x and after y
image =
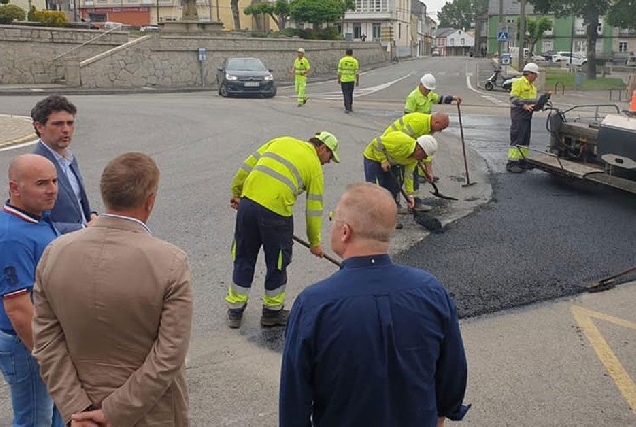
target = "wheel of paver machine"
x: 489, y: 85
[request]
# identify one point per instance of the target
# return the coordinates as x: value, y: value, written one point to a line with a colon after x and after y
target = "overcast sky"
x: 433, y: 7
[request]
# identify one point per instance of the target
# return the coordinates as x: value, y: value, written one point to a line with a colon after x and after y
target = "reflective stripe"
x: 277, y: 176
x: 401, y: 121
x: 274, y: 302
x: 247, y: 168
x: 236, y: 299
x: 410, y: 131
x: 233, y: 250
x: 256, y: 155
x: 289, y: 165
x: 395, y: 128
x: 314, y: 212
x: 518, y: 153
x: 275, y: 292
x: 314, y: 197
x: 279, y: 264
x: 239, y: 290
x: 383, y: 149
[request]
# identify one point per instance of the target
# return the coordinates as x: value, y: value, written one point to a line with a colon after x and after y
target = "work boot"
x: 235, y: 317
x: 526, y: 165
x: 305, y: 100
x: 514, y: 167
x: 274, y: 317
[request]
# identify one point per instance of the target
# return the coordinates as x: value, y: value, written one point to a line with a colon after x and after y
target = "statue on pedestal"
x: 189, y: 12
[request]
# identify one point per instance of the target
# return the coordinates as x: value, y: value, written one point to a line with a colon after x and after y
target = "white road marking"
x: 24, y: 144
x: 358, y: 92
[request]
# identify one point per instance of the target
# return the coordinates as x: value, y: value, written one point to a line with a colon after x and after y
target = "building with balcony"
x: 399, y: 25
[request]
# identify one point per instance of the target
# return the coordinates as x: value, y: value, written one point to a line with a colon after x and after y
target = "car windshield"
x: 245, y: 64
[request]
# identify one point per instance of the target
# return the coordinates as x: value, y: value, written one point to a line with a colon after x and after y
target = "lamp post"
x: 157, y: 12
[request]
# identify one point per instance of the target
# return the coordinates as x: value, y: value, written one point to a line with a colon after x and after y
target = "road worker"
x: 396, y: 148
x: 348, y: 75
x: 523, y: 97
x: 422, y: 98
x: 300, y: 69
x: 264, y: 191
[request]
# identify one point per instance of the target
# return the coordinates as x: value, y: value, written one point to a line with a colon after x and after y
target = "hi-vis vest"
x: 300, y: 66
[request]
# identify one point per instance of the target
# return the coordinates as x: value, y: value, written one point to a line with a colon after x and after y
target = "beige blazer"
x: 113, y: 314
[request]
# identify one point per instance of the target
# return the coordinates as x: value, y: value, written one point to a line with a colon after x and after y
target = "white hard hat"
x: 531, y: 67
x: 428, y: 144
x: 428, y: 81
x: 301, y: 50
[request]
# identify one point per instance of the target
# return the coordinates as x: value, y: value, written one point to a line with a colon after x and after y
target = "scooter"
x: 492, y: 80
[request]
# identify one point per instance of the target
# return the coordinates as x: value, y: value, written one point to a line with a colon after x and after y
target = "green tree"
x: 279, y: 11
x: 460, y: 14
x: 11, y: 12
x: 623, y: 14
x: 534, y: 31
x: 590, y: 10
x: 4, y: 1
x: 317, y: 11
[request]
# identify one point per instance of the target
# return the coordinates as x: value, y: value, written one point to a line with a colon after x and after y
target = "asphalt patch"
x: 540, y: 238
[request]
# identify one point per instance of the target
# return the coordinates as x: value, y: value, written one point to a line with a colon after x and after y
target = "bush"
x: 31, y: 14
x: 290, y: 32
x: 329, y: 33
x: 51, y: 18
x: 11, y: 12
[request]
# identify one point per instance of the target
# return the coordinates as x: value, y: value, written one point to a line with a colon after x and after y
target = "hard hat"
x: 330, y: 141
x: 428, y: 144
x: 531, y: 67
x: 300, y: 50
x: 428, y: 81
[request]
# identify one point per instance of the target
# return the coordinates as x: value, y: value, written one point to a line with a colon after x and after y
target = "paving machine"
x: 601, y: 149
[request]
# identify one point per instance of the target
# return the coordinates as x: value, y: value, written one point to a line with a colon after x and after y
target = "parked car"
x: 537, y: 58
x: 548, y: 55
x: 436, y: 53
x: 569, y: 58
x: 245, y: 76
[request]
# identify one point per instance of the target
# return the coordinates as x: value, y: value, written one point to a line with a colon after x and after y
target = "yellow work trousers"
x: 301, y: 84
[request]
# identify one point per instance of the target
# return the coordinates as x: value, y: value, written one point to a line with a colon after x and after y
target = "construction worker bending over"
x: 264, y: 191
x: 397, y: 148
x: 523, y: 97
x: 300, y: 70
x: 422, y: 98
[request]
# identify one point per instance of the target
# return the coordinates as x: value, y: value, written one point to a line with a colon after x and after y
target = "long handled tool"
x: 306, y: 244
x: 461, y: 132
x: 436, y: 193
x: 422, y: 218
x: 608, y: 282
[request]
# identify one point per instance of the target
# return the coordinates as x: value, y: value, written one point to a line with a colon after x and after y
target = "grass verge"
x: 568, y: 79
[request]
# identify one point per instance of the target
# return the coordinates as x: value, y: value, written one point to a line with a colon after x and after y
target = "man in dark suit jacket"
x: 54, y: 122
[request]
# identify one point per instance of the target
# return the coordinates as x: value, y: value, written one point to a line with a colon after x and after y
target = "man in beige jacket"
x: 113, y: 311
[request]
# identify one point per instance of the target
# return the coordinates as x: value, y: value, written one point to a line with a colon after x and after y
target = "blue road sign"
x: 502, y: 36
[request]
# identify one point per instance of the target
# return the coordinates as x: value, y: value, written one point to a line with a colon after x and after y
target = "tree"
x: 11, y: 12
x: 460, y: 14
x: 623, y: 14
x: 590, y: 10
x: 4, y: 1
x: 317, y: 11
x: 279, y: 11
x: 236, y: 16
x: 534, y: 30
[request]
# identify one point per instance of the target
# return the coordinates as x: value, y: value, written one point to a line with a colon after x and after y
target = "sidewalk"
x: 15, y: 130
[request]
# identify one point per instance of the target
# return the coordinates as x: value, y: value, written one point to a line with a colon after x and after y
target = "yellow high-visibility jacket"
x: 397, y: 148
x: 412, y: 124
x: 277, y: 173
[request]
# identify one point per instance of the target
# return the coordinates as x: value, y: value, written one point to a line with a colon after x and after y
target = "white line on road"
x: 358, y: 92
x: 13, y: 147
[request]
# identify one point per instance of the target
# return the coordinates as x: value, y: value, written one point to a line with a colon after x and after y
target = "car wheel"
x: 272, y: 94
x: 223, y: 90
x: 489, y: 86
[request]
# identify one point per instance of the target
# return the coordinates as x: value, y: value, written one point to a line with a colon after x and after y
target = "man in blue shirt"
x: 25, y: 230
x: 376, y: 344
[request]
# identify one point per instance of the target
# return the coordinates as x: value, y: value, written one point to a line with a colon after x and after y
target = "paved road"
x: 199, y: 139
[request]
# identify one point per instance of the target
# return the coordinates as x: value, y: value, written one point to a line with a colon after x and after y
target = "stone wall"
x: 169, y: 60
x: 27, y: 53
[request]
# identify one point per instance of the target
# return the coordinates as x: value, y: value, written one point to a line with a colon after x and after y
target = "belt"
x: 9, y: 331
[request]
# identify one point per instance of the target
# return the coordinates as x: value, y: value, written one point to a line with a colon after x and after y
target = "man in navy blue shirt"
x: 25, y: 230
x: 376, y: 344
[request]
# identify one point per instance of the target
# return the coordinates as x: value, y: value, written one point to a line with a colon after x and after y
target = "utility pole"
x: 522, y: 34
x: 500, y: 27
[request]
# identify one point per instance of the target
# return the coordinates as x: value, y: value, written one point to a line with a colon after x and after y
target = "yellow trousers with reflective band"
x: 301, y: 85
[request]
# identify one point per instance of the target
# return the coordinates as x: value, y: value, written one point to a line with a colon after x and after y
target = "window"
x: 622, y: 46
x: 357, y: 31
x: 399, y: 30
x: 452, y: 42
x: 462, y: 41
x: 376, y: 27
x: 547, y: 45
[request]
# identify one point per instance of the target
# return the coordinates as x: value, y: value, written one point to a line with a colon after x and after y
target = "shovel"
x: 306, y: 244
x: 436, y: 193
x: 608, y: 282
x: 461, y: 132
x: 422, y: 218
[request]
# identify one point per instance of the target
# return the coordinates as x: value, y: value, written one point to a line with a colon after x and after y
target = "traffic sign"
x: 502, y: 36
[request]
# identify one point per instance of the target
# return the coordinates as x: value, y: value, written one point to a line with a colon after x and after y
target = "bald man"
x: 25, y: 230
x: 376, y: 344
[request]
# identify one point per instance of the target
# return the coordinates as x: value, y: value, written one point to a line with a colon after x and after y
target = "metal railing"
x: 55, y: 58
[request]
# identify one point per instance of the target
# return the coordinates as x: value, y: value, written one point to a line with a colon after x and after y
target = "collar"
x: 128, y: 218
x: 378, y: 260
x: 60, y: 159
x: 21, y: 213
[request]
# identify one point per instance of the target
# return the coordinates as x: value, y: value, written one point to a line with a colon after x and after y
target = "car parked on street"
x: 569, y: 58
x: 245, y: 76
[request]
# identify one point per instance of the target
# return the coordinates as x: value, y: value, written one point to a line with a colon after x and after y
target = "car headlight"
x: 268, y: 77
x: 230, y: 77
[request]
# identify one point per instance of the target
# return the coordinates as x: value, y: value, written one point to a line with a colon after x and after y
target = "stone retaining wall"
x: 26, y: 53
x: 172, y: 61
